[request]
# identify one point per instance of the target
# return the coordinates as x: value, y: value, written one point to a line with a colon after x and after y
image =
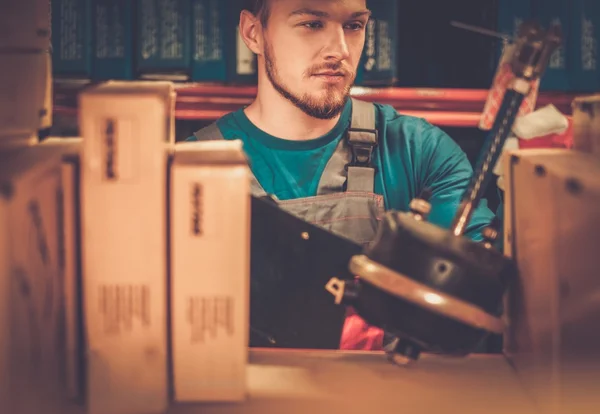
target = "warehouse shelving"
x: 442, y: 107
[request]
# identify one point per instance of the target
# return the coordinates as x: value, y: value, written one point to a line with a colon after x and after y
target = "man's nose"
x: 337, y: 47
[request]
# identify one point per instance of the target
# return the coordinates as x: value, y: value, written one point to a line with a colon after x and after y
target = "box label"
x: 119, y: 142
x: 209, y: 317
x: 124, y: 308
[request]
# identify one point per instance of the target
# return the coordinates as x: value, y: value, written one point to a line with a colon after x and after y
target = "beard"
x: 326, y: 108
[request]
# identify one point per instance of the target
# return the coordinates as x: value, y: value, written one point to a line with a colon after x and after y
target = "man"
x: 299, y: 145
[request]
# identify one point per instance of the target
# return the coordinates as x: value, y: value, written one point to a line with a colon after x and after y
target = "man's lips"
x: 331, y: 77
x: 340, y: 74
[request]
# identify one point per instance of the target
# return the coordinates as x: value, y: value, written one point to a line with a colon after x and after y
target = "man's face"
x: 312, y: 49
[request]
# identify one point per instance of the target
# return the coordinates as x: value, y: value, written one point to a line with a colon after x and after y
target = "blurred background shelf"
x: 442, y: 107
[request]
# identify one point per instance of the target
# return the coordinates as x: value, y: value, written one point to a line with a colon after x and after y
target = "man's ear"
x: 250, y: 30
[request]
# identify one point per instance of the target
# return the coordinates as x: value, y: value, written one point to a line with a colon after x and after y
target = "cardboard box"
x: 552, y: 310
x: 127, y: 128
x: 24, y: 102
x: 163, y: 45
x: 112, y: 39
x: 25, y: 24
x: 210, y: 273
x: 31, y: 274
x: 72, y: 38
x: 584, y: 46
x: 586, y: 124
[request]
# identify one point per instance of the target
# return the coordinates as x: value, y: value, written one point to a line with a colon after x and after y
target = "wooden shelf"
x: 442, y: 107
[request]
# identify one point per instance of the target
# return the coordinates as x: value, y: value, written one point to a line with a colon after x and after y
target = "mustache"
x: 334, y: 67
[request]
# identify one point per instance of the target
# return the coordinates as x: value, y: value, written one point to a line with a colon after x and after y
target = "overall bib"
x: 345, y: 203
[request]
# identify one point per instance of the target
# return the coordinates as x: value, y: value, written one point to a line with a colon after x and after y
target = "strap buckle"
x: 362, y: 150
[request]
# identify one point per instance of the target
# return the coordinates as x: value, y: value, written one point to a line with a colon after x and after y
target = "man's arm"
x: 446, y: 171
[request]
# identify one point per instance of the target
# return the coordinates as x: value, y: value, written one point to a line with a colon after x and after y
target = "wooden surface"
x: 296, y: 381
x: 315, y: 382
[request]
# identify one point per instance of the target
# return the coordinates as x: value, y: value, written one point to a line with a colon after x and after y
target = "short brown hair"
x: 259, y: 8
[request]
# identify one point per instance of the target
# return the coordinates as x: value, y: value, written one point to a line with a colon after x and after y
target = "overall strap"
x: 362, y: 139
x: 209, y: 133
x: 213, y: 133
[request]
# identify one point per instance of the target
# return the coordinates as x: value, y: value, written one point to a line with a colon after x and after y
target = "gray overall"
x: 345, y: 203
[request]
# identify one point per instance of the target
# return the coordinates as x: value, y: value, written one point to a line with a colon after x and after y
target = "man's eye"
x: 355, y: 26
x: 313, y: 25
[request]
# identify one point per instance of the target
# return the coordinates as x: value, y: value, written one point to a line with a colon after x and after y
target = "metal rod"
x: 489, y: 156
x: 481, y: 30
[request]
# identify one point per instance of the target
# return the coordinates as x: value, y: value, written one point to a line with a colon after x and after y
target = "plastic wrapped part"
x: 544, y: 121
x: 462, y: 281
